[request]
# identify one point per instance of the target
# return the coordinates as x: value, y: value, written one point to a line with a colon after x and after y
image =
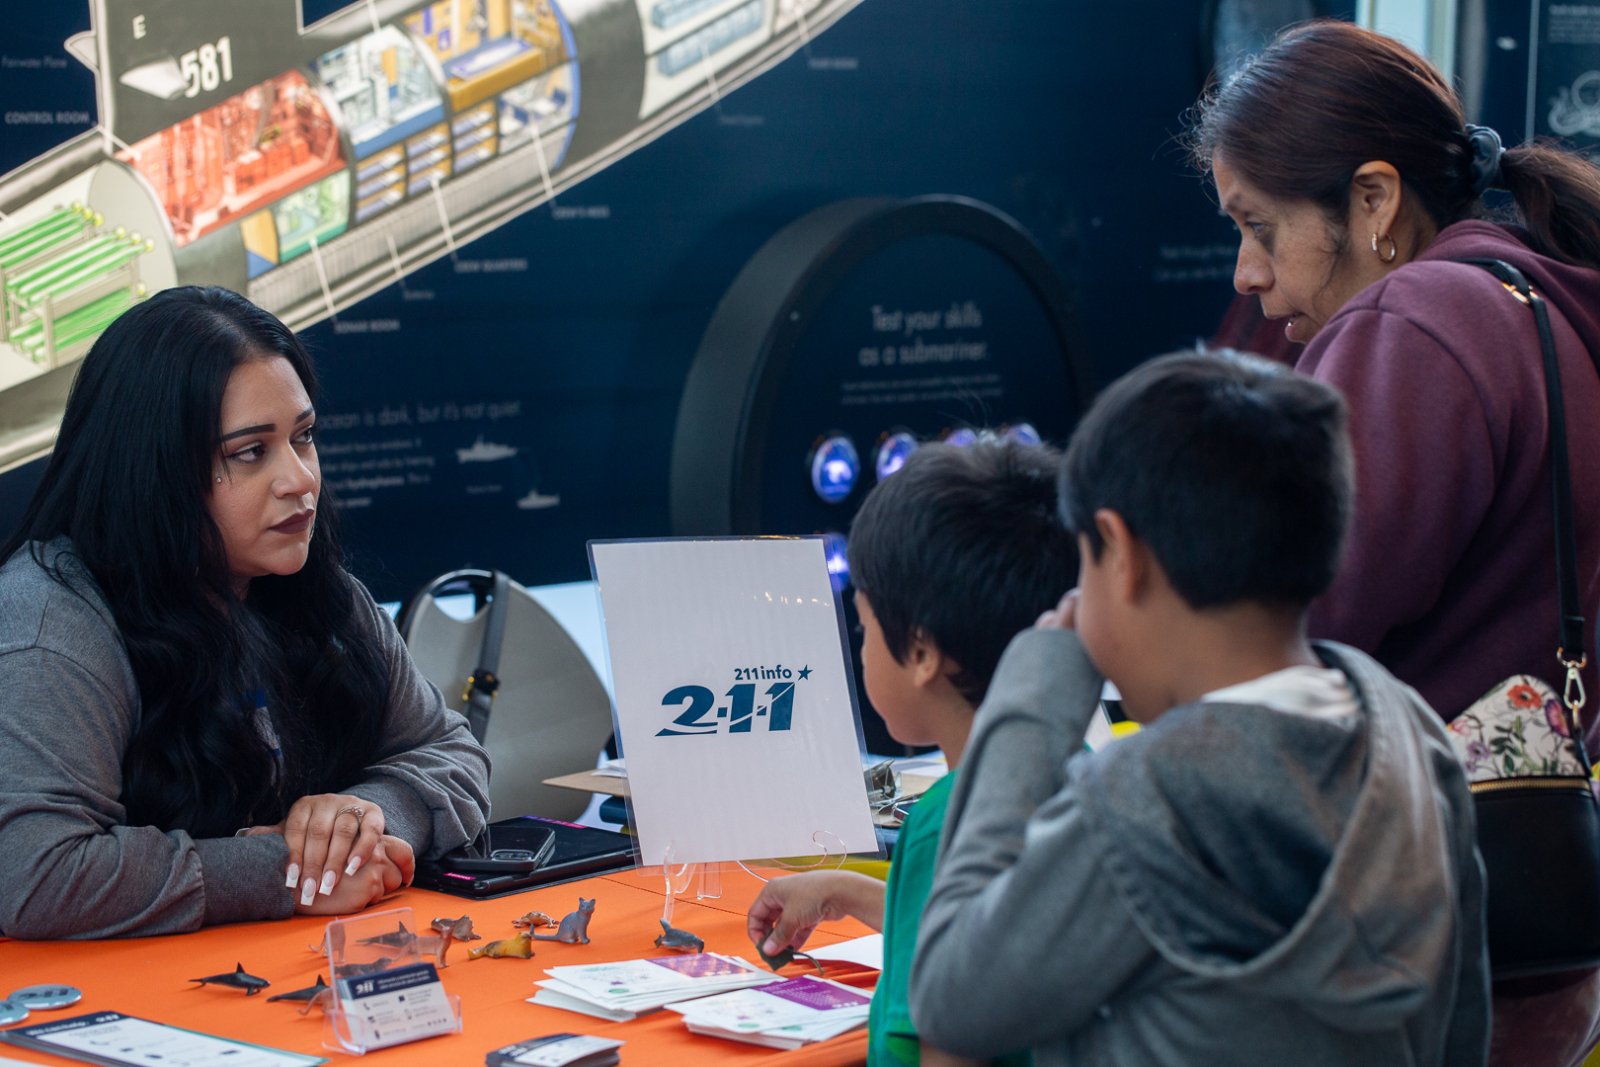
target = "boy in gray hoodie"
x: 1280, y: 867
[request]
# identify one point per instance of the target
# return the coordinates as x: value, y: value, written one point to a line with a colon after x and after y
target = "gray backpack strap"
x: 478, y: 696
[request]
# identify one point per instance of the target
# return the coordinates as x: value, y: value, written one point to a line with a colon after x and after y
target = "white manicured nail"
x: 308, y: 891
x: 293, y: 877
x: 328, y: 878
x: 353, y: 866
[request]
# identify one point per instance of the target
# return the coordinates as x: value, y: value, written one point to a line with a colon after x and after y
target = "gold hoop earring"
x: 1394, y: 249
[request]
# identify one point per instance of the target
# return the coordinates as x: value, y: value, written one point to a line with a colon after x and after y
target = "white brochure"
x: 110, y: 1037
x: 734, y: 698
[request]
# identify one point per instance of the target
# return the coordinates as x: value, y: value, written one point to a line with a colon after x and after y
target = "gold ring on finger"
x: 352, y: 809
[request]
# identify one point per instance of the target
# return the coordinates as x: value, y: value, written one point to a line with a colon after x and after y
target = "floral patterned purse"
x: 1517, y: 730
x: 1522, y: 746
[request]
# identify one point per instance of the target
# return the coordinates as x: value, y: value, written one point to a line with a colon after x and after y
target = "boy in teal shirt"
x: 952, y: 556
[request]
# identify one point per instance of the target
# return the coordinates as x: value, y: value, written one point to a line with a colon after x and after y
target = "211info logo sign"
x: 759, y: 694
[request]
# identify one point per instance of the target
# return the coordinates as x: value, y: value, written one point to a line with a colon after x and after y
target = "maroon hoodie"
x: 1449, y: 574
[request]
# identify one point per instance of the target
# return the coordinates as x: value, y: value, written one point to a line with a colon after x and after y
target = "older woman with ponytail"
x: 1357, y: 187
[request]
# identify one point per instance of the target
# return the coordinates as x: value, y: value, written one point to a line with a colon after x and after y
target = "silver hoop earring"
x: 1394, y: 249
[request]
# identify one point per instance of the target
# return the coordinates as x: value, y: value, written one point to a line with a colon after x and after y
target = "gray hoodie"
x: 69, y: 704
x: 1231, y: 885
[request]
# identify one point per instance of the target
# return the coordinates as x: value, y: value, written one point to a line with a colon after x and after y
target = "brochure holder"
x: 386, y: 989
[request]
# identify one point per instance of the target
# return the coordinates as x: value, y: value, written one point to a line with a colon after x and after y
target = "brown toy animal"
x: 518, y: 947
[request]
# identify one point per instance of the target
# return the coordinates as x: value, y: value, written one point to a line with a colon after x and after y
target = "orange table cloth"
x: 150, y: 977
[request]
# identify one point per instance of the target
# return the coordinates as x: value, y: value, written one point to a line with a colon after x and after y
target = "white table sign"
x: 395, y: 1006
x: 734, y: 698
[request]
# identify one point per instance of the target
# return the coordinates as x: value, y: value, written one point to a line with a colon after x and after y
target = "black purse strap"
x: 1571, y: 649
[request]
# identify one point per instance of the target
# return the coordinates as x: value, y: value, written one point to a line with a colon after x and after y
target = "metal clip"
x: 1573, y: 694
x: 487, y: 684
x: 1513, y: 291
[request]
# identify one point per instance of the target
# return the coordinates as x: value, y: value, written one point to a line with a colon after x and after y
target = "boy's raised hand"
x: 1064, y: 616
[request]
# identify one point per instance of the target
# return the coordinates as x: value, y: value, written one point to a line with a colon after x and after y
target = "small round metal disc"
x: 46, y: 997
x: 12, y: 1012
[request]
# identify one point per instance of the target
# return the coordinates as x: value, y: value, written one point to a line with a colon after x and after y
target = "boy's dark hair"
x: 964, y: 546
x: 1235, y: 471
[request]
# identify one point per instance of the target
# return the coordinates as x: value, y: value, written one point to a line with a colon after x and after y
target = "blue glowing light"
x: 1023, y: 433
x: 835, y: 466
x: 961, y: 437
x: 834, y: 549
x: 893, y: 453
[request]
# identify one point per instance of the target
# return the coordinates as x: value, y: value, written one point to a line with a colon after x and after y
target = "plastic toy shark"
x: 308, y: 993
x: 399, y: 937
x: 238, y: 978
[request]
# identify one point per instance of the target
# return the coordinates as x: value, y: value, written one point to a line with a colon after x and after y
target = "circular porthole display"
x: 1023, y: 433
x: 961, y: 437
x: 865, y: 315
x: 875, y: 321
x: 835, y: 468
x: 893, y: 451
x: 836, y: 549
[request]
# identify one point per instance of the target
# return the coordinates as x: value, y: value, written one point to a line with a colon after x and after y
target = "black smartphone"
x: 500, y: 855
x: 528, y: 852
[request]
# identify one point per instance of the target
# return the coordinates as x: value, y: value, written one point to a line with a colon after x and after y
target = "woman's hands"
x: 387, y: 870
x: 788, y: 909
x: 330, y: 836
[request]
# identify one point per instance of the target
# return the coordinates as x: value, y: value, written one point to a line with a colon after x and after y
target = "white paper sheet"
x: 867, y: 951
x: 734, y: 698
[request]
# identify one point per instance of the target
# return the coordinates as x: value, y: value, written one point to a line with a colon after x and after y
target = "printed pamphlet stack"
x: 629, y: 988
x: 558, y: 1050
x: 782, y: 1015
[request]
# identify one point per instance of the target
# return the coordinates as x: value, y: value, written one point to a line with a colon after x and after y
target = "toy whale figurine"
x: 238, y: 978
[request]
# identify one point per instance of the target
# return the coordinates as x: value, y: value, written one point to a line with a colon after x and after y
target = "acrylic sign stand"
x: 728, y: 656
x: 384, y: 992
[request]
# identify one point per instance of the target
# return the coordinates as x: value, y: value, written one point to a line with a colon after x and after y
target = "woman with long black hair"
x: 204, y: 718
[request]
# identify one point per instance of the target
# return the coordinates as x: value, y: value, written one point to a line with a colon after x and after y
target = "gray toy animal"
x: 678, y: 940
x: 574, y: 928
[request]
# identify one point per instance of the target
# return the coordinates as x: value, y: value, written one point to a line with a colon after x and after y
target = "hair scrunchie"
x: 1487, y: 151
